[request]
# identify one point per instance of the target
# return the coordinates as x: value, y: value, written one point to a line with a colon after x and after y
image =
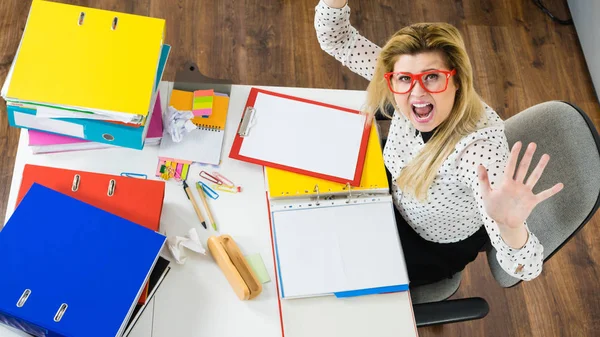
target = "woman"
x: 454, y: 182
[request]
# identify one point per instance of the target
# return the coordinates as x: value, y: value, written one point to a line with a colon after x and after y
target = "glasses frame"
x: 418, y: 77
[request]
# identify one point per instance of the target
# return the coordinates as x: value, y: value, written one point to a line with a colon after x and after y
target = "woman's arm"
x: 340, y: 40
x: 521, y: 258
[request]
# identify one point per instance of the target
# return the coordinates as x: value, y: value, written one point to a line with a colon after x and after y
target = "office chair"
x: 568, y: 135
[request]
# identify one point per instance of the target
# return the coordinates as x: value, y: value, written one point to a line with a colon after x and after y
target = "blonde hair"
x: 419, y: 174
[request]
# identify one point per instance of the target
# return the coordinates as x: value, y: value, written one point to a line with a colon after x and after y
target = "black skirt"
x: 429, y: 262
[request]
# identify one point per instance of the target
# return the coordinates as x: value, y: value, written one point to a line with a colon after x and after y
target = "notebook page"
x: 304, y: 136
x: 334, y: 249
x: 200, y: 146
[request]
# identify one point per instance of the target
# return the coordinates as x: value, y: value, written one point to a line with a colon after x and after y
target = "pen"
x: 203, y: 198
x: 190, y: 196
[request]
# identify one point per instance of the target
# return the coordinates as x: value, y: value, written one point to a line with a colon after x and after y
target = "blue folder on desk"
x: 71, y: 269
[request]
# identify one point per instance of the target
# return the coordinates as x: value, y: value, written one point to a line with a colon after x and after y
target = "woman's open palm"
x: 511, y: 201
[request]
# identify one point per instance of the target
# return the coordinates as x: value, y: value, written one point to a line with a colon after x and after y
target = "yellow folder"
x: 83, y: 57
x: 289, y: 184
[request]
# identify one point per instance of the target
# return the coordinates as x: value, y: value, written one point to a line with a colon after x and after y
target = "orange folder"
x: 134, y: 199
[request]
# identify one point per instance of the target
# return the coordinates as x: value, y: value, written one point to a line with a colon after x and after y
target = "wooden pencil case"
x: 232, y: 262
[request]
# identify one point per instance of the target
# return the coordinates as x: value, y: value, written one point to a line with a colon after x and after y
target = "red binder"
x: 134, y: 199
x: 304, y: 111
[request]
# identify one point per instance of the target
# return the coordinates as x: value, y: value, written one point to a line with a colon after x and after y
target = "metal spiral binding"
x: 316, y: 190
x: 209, y: 128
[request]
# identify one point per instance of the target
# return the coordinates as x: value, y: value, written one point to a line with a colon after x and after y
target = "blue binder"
x: 71, y: 269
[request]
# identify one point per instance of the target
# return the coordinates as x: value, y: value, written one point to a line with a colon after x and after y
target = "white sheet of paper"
x: 200, y: 146
x: 50, y: 125
x: 305, y: 136
x: 334, y: 249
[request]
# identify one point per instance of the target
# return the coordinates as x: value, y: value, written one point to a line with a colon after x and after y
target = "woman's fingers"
x: 509, y: 171
x: 537, y: 172
x: 549, y: 192
x: 525, y: 162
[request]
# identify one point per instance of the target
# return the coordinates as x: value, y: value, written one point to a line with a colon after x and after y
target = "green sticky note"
x: 257, y: 264
x: 203, y: 99
x: 202, y: 105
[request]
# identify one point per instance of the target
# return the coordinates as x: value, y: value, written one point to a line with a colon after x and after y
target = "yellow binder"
x: 94, y: 59
x: 289, y: 184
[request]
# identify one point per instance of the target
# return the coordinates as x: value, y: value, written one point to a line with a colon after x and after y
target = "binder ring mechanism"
x: 59, y: 313
x: 82, y: 17
x: 316, y: 190
x: 23, y: 298
x: 349, y: 188
x: 112, y: 184
x: 247, y: 121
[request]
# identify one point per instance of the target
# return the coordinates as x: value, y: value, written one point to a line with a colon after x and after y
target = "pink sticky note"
x: 202, y: 93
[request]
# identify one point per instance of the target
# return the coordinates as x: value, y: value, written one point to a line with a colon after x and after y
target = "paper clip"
x: 229, y: 189
x: 212, y: 179
x: 208, y: 191
x: 134, y: 175
x: 223, y: 180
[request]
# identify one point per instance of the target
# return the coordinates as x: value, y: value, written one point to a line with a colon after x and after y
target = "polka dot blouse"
x: 454, y: 210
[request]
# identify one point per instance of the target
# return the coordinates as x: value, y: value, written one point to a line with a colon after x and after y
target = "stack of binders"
x: 74, y: 269
x: 86, y: 73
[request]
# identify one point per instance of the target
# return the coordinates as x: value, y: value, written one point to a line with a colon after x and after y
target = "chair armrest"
x: 450, y: 311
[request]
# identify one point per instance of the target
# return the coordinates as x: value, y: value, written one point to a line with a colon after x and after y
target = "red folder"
x: 248, y: 120
x: 137, y: 200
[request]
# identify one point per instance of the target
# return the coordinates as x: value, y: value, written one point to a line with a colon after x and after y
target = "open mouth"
x: 423, y: 112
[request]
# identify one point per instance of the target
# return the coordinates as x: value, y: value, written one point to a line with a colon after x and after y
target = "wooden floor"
x: 520, y: 58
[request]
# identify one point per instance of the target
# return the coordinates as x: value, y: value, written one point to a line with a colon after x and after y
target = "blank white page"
x: 335, y: 249
x: 200, y: 146
x: 304, y: 136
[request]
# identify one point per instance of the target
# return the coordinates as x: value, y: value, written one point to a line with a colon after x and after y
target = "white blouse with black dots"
x: 454, y: 210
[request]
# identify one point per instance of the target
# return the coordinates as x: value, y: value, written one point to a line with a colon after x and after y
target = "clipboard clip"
x: 247, y: 121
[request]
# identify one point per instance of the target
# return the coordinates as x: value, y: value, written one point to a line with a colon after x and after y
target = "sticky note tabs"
x: 256, y: 263
x: 203, y: 103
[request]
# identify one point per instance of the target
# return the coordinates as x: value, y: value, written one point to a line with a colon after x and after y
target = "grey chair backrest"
x: 567, y: 134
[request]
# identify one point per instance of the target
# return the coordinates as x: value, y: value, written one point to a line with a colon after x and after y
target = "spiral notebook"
x: 203, y: 145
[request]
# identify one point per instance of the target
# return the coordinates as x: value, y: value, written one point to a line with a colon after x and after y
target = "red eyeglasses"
x: 433, y: 81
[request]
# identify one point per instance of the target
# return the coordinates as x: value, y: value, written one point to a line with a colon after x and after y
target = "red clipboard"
x: 246, y: 119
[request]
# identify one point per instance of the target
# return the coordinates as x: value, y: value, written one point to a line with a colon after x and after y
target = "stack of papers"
x: 45, y: 142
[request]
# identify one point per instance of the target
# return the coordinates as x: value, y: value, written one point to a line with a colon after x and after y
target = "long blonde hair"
x: 419, y: 174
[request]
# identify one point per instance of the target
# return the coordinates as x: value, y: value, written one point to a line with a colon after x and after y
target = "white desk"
x: 195, y: 299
